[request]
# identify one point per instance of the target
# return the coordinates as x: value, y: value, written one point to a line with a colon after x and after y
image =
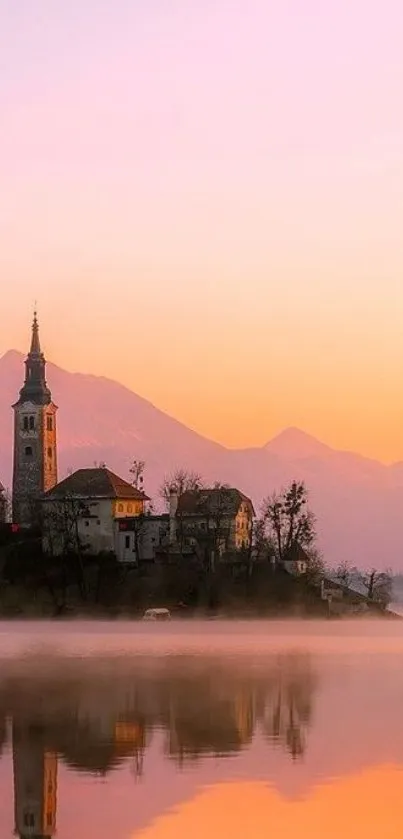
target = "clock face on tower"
x: 35, y: 437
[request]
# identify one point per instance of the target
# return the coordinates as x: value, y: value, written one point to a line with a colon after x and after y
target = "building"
x: 82, y: 510
x: 35, y: 440
x: 222, y: 515
x: 296, y: 561
x: 215, y: 520
x: 35, y: 783
x: 138, y: 539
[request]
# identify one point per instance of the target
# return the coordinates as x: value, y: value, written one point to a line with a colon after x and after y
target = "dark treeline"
x: 253, y: 580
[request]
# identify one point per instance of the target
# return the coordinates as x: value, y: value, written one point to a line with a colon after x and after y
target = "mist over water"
x: 161, y: 730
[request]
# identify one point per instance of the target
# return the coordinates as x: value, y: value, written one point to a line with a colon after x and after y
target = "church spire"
x: 35, y: 342
x: 35, y: 388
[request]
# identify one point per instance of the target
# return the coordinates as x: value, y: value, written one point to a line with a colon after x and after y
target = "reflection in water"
x: 35, y: 781
x: 93, y: 719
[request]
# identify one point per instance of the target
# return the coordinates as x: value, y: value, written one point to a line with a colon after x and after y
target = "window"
x: 25, y: 424
x: 49, y: 423
x: 31, y: 423
x: 49, y: 819
x: 130, y: 508
x: 28, y: 451
x: 29, y: 820
x: 87, y: 524
x: 127, y: 542
x: 50, y: 453
x: 120, y: 508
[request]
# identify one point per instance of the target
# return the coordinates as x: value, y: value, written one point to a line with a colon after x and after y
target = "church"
x: 101, y: 496
x: 35, y: 437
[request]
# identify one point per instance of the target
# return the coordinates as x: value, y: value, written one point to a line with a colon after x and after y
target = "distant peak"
x: 11, y: 356
x: 292, y: 442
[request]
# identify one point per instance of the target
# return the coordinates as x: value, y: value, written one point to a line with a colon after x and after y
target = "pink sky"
x: 207, y: 201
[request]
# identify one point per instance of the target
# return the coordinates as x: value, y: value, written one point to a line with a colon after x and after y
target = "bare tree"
x: 137, y: 473
x: 344, y: 573
x: 378, y: 585
x: 316, y: 565
x: 213, y: 530
x: 181, y: 480
x: 288, y: 519
x: 60, y: 531
x: 264, y: 545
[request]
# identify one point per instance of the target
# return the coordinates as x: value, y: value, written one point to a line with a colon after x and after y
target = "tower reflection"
x: 35, y: 782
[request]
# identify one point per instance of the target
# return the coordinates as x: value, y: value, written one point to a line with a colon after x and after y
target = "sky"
x: 206, y: 201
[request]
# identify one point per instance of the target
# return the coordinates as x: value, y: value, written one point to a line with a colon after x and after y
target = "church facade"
x: 35, y: 437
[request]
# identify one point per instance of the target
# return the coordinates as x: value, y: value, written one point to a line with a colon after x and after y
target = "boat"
x: 157, y: 615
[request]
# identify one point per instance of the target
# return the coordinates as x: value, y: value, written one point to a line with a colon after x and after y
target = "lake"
x: 201, y: 729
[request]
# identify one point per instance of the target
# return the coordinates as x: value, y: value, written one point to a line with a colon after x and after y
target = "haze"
x: 206, y: 201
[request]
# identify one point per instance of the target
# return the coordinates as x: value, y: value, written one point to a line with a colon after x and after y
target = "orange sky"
x: 223, y: 236
x: 240, y: 393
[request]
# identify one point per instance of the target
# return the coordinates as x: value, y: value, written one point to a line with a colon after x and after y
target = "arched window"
x: 49, y: 423
x: 120, y: 508
x: 130, y: 508
x: 50, y: 453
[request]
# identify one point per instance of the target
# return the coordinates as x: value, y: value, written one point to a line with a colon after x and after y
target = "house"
x: 82, y: 510
x: 222, y: 515
x: 296, y: 561
x: 342, y: 597
x: 138, y: 539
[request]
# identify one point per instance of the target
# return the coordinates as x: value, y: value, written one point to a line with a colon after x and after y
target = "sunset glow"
x: 206, y: 201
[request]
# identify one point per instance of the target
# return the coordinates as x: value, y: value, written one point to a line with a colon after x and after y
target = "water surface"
x: 220, y: 729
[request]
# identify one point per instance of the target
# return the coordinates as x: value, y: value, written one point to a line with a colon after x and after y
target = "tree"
x: 316, y: 566
x: 61, y: 537
x: 137, y: 473
x: 288, y: 520
x: 5, y: 506
x: 344, y: 573
x: 180, y: 480
x: 378, y: 585
x: 213, y: 531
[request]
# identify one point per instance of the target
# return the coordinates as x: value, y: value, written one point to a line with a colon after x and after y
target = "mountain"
x: 358, y: 501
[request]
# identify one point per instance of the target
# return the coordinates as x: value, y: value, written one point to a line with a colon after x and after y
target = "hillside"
x: 358, y: 501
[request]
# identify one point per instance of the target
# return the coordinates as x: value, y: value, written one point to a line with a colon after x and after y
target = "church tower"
x: 35, y: 443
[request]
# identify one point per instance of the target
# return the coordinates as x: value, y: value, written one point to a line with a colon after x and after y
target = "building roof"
x: 96, y: 483
x: 203, y: 502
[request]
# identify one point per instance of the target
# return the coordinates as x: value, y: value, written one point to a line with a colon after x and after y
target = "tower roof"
x: 35, y: 388
x: 35, y: 342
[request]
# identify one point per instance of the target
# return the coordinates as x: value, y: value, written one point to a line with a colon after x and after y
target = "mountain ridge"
x: 358, y: 501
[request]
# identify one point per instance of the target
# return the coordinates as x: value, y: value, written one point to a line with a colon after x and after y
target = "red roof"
x: 95, y: 483
x: 204, y: 502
